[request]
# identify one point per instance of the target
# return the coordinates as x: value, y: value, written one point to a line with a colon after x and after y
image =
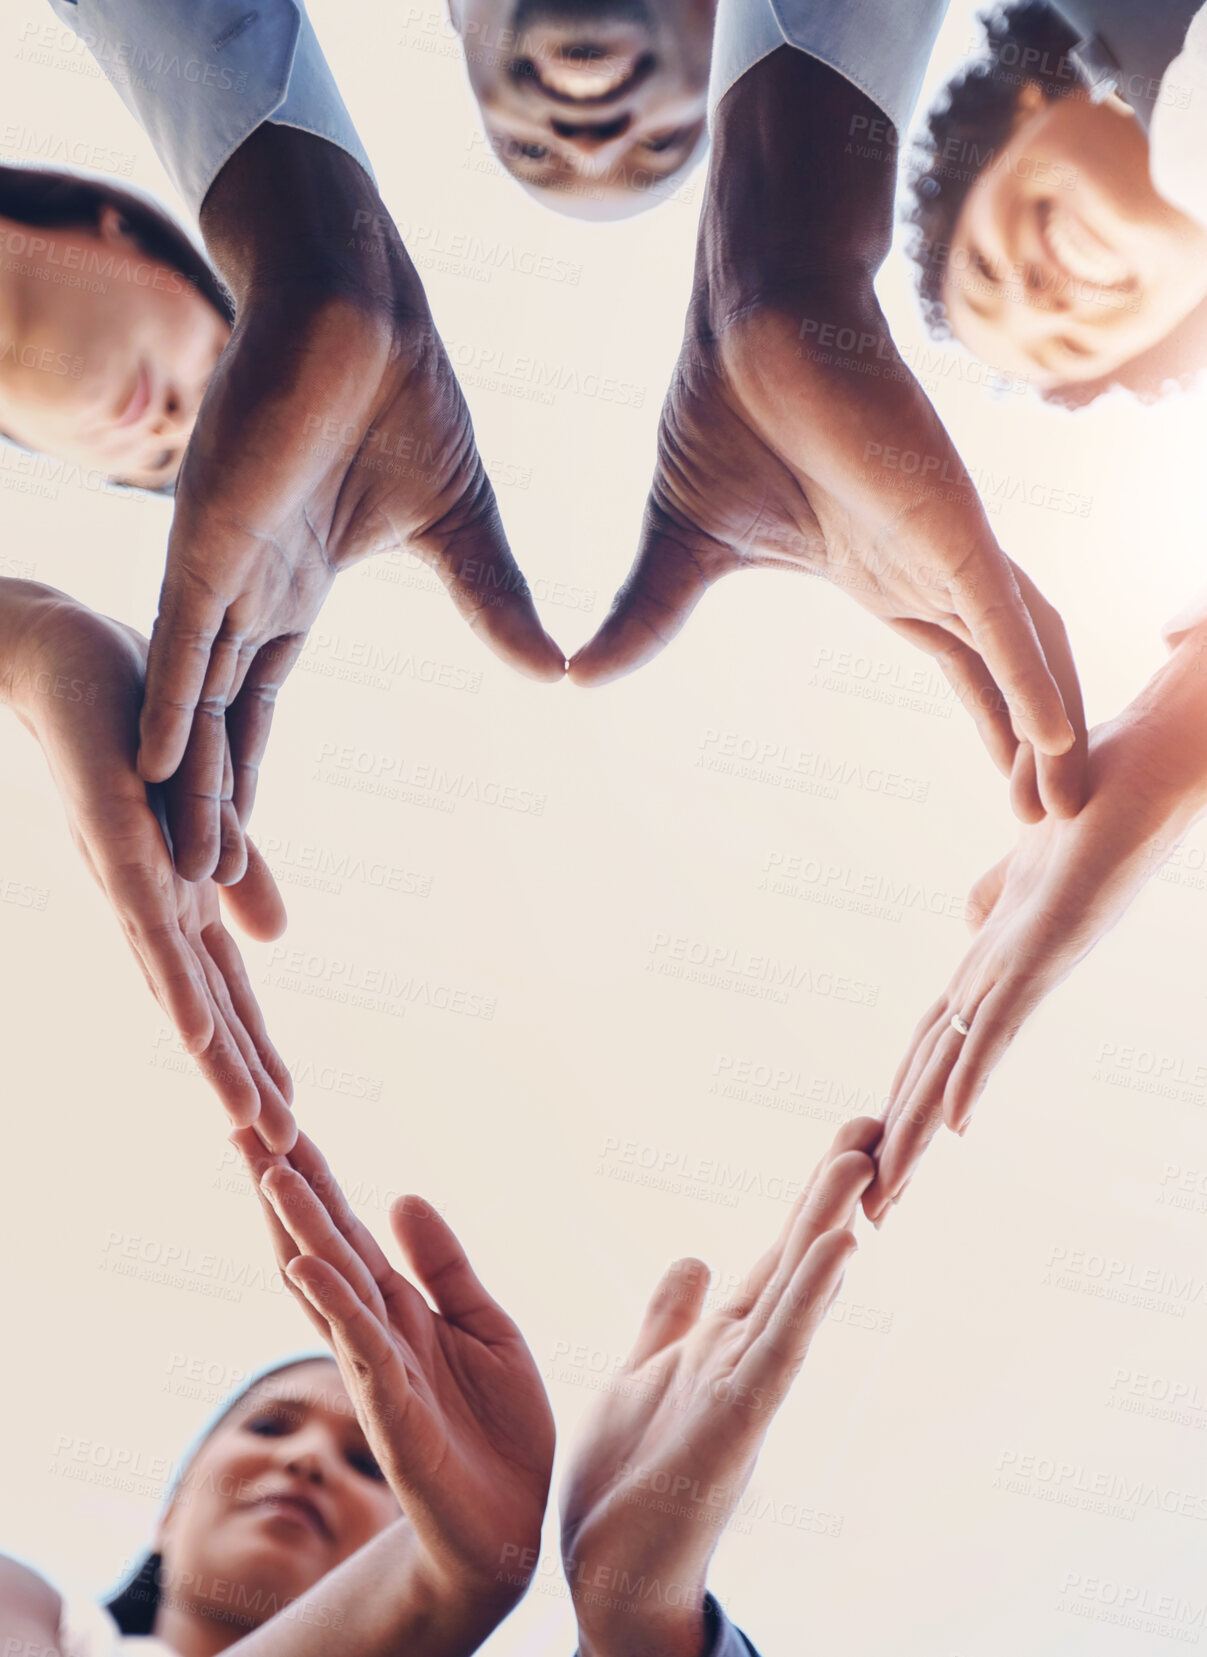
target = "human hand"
x: 448, y: 1394
x: 1040, y: 911
x: 75, y: 679
x: 794, y: 437
x: 688, y: 1413
x: 333, y: 429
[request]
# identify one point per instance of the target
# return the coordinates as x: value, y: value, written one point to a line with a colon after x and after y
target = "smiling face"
x: 282, y: 1491
x: 1065, y: 263
x: 593, y: 105
x: 107, y: 373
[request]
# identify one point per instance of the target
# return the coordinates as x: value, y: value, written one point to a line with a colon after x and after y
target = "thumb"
x: 982, y: 899
x: 672, y: 572
x: 488, y: 588
x: 673, y: 1309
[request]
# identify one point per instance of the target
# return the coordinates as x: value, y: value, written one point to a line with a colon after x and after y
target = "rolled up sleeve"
x: 199, y: 76
x: 880, y: 46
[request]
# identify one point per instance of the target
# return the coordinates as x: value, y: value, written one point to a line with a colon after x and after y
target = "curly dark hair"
x: 1026, y: 43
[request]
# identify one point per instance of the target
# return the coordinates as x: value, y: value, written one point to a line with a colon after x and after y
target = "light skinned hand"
x: 448, y: 1394
x: 687, y: 1414
x: 77, y: 687
x: 1034, y: 915
x: 333, y: 429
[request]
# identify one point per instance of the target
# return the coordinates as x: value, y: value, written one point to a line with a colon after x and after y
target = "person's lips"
x: 1079, y: 251
x: 138, y: 401
x: 585, y: 75
x: 299, y: 1508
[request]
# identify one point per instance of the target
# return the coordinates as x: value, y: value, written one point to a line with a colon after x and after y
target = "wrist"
x: 640, y: 1606
x: 792, y: 205
x: 685, y: 1631
x: 443, y: 1611
x: 291, y: 213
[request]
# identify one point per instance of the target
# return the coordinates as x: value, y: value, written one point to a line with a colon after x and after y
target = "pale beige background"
x: 957, y: 1351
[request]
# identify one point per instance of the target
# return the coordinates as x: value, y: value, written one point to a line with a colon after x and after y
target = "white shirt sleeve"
x: 1177, y: 139
x: 880, y: 46
x: 199, y: 76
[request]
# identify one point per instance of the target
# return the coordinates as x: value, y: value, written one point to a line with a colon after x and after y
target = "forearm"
x: 385, y: 1601
x: 292, y: 211
x: 1167, y: 726
x: 642, y: 1601
x: 792, y: 204
x: 682, y: 1634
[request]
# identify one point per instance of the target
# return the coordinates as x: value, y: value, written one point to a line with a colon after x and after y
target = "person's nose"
x: 307, y: 1462
x: 596, y: 146
x: 178, y: 414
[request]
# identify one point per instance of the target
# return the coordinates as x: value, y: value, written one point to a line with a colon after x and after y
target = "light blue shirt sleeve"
x: 880, y: 46
x: 199, y: 76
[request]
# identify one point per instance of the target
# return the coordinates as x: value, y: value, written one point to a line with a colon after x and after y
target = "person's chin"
x: 575, y: 14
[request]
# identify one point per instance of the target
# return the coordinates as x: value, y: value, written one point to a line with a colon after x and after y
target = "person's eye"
x: 163, y: 461
x: 664, y: 141
x: 270, y: 1424
x: 366, y: 1462
x: 981, y: 265
x: 531, y: 152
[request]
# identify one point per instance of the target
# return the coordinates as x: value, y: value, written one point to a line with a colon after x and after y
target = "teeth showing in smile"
x: 1078, y: 251
x: 584, y: 77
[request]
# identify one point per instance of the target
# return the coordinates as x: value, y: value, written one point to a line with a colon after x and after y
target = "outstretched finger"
x: 249, y: 717
x: 190, y: 617
x: 141, y: 890
x: 831, y: 1205
x: 993, y: 609
x: 861, y: 1133
x: 357, y: 1336
x: 310, y: 1162
x: 672, y: 572
x: 255, y: 903
x: 673, y: 1310
x: 310, y: 1225
x: 258, y: 1160
x: 973, y: 684
x: 487, y: 586
x: 275, y: 1124
x: 1025, y: 800
x: 999, y: 1018
x: 774, y: 1360
x: 1060, y: 779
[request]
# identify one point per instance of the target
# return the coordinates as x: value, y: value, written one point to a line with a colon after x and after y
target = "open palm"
x: 448, y: 1394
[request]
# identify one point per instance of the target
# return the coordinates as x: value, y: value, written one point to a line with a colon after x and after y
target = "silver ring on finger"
x: 960, y: 1024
